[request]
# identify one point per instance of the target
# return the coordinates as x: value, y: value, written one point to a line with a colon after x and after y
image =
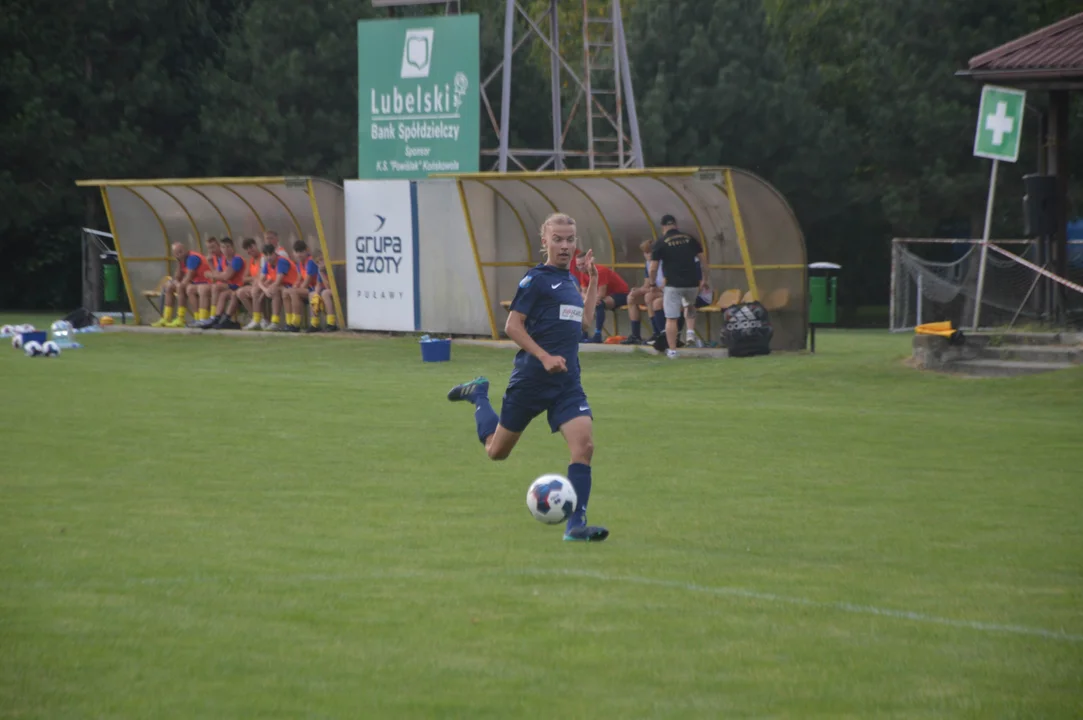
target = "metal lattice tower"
x: 603, y: 94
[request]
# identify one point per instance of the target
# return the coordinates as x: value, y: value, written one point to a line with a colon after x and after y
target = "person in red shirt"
x: 612, y: 292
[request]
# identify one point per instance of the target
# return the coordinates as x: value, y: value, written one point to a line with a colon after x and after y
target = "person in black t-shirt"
x: 678, y: 252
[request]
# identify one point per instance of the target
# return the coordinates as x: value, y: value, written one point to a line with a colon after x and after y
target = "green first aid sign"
x: 1000, y: 123
x: 418, y: 101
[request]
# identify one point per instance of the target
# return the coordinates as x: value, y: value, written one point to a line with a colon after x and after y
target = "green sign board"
x: 1000, y: 123
x: 418, y: 102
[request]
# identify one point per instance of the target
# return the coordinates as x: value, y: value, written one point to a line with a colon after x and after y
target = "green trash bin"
x: 110, y: 282
x: 823, y: 297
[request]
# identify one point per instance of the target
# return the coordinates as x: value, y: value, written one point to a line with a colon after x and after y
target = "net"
x: 937, y: 279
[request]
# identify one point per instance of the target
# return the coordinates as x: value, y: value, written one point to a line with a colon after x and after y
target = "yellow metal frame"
x: 323, y: 248
x: 546, y: 198
x: 522, y: 225
x: 195, y: 227
x: 120, y: 255
x: 621, y: 172
x: 262, y: 227
x: 280, y: 201
x: 216, y: 209
x: 161, y: 224
x: 281, y: 180
x: 477, y: 259
x: 742, y: 241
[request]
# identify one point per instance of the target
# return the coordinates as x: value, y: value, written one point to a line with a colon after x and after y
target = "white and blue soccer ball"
x: 27, y: 327
x: 50, y: 349
x: 551, y: 499
x: 7, y: 331
x: 33, y: 349
x: 17, y: 341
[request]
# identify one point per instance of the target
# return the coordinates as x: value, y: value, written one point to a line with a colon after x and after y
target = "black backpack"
x: 746, y: 330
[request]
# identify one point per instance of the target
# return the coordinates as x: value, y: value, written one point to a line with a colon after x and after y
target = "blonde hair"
x: 556, y: 218
x: 646, y: 245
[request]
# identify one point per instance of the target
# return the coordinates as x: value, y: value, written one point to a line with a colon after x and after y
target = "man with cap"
x: 681, y: 257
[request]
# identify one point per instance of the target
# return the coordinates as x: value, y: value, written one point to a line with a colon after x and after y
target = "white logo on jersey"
x: 571, y: 312
x: 557, y: 285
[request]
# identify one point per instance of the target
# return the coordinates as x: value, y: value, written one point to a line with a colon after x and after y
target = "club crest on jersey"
x: 525, y: 282
x: 571, y: 312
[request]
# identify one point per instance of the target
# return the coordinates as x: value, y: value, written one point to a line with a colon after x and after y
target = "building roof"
x: 1051, y: 56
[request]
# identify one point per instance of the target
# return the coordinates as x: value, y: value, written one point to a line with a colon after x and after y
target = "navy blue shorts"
x: 619, y: 299
x: 523, y: 402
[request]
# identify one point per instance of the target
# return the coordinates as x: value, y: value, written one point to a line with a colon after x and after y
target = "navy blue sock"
x: 635, y: 328
x: 658, y: 320
x: 484, y: 415
x: 579, y: 475
x: 599, y: 319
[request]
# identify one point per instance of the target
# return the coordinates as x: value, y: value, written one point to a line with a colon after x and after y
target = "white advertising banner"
x: 381, y: 255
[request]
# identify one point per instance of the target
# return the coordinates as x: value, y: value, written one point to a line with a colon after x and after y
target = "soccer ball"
x: 61, y: 328
x: 551, y: 499
x: 7, y: 331
x: 24, y: 328
x: 17, y: 342
x: 50, y: 349
x: 32, y: 348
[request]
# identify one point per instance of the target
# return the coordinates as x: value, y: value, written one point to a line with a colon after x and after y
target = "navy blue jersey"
x: 553, y: 305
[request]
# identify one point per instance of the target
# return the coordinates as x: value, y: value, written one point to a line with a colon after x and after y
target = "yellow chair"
x: 154, y: 297
x: 777, y: 299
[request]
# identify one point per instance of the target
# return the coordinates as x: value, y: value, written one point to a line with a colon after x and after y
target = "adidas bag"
x: 746, y: 330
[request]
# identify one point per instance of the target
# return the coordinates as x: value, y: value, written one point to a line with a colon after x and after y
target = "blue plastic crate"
x: 435, y: 350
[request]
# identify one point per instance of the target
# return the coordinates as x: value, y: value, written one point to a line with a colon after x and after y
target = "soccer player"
x: 323, y: 298
x: 250, y: 294
x: 231, y: 280
x: 280, y: 275
x: 191, y: 270
x: 307, y: 284
x: 640, y: 294
x: 546, y: 320
x: 612, y: 292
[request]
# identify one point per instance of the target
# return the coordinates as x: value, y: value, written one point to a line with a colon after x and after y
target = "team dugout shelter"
x: 147, y: 216
x: 752, y: 242
x: 476, y: 234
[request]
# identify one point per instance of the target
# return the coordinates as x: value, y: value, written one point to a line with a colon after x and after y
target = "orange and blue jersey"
x: 217, y: 261
x: 288, y: 270
x: 254, y: 267
x: 199, y: 267
x: 310, y: 274
x: 268, y: 270
x: 236, y: 267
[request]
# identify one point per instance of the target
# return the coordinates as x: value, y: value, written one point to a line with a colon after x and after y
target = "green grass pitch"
x: 292, y: 527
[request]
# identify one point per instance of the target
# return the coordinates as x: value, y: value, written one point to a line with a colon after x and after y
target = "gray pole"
x: 554, y: 76
x: 505, y: 92
x: 626, y: 76
x: 985, y: 242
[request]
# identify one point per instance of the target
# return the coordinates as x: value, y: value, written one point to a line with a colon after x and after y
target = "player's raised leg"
x: 579, y: 434
x: 497, y: 439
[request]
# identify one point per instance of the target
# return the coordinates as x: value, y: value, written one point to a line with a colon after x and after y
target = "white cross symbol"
x: 999, y: 124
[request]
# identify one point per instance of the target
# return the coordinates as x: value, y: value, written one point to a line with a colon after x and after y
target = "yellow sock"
x: 291, y: 319
x: 331, y: 320
x: 168, y: 315
x: 202, y: 314
x: 182, y: 312
x: 276, y: 319
x: 315, y: 321
x: 257, y: 317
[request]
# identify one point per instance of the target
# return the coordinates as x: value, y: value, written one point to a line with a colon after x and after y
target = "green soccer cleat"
x: 466, y: 390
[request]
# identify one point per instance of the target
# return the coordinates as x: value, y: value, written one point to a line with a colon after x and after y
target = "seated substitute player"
x: 230, y: 281
x: 546, y: 320
x: 640, y: 294
x: 612, y: 292
x: 280, y: 275
x: 322, y: 299
x: 191, y: 270
x: 250, y: 294
x: 307, y: 283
